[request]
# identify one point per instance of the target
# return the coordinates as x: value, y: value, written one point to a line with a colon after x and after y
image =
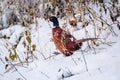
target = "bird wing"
x: 67, y: 40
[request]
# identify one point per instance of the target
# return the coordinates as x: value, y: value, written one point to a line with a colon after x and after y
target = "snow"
x: 101, y: 66
x: 104, y: 65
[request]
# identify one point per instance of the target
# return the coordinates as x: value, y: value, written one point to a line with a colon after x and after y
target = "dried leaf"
x: 6, y: 66
x: 112, y: 18
x: 28, y: 39
x: 101, y: 1
x: 102, y: 24
x: 33, y: 47
x: 15, y: 53
x: 26, y: 33
x: 90, y: 17
x: 12, y: 56
x: 6, y: 59
x: 24, y: 43
x: 95, y: 43
x: 19, y: 38
x: 118, y: 26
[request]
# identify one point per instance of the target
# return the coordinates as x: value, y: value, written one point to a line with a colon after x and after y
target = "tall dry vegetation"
x: 26, y: 12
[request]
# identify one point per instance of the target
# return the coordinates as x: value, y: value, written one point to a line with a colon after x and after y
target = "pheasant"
x: 63, y: 40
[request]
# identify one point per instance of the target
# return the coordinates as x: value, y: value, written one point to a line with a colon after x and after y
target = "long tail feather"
x: 84, y: 40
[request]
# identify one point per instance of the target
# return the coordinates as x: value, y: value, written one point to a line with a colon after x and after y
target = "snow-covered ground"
x: 104, y: 65
x: 100, y: 63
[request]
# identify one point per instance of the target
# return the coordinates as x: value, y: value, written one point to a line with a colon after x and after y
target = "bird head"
x: 54, y: 20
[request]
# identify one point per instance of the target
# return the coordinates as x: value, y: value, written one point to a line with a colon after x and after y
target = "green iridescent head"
x: 54, y: 20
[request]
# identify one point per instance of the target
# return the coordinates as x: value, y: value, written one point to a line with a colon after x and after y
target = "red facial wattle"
x: 51, y: 19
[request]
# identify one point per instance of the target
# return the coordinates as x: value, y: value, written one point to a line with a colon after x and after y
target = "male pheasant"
x: 64, y: 41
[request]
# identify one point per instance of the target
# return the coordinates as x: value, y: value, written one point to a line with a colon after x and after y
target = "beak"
x: 48, y: 19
